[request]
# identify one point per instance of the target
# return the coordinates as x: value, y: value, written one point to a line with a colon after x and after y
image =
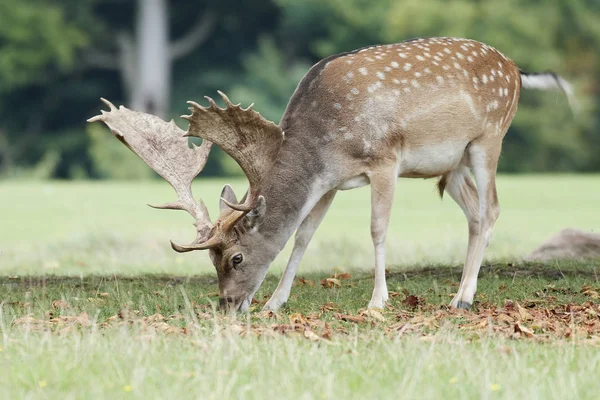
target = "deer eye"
x: 237, y: 259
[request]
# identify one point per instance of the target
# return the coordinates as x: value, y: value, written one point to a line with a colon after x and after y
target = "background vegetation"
x: 58, y: 57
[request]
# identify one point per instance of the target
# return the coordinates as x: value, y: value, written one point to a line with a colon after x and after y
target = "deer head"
x: 252, y: 142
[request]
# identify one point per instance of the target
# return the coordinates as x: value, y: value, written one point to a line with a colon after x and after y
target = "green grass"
x: 94, y: 304
x: 72, y: 228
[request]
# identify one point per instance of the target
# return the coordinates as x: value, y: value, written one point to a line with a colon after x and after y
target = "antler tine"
x: 212, y: 103
x: 252, y: 141
x: 101, y: 117
x: 110, y: 105
x: 196, y: 245
x: 163, y: 146
x: 228, y: 103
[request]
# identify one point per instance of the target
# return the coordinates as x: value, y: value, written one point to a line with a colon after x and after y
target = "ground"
x: 95, y: 304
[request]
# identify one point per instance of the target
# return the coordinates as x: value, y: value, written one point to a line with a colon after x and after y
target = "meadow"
x: 95, y: 304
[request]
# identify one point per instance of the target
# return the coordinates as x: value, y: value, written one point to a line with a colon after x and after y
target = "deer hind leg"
x: 303, y: 236
x: 484, y: 160
x: 382, y: 196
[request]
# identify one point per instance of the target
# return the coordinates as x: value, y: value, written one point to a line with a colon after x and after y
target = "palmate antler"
x: 164, y: 147
x: 252, y: 141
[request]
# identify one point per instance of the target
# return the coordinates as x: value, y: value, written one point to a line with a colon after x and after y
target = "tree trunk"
x: 145, y: 62
x: 152, y: 81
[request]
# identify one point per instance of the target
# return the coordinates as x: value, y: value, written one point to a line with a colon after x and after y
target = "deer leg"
x: 382, y: 196
x: 303, y: 236
x: 484, y: 160
x: 462, y: 190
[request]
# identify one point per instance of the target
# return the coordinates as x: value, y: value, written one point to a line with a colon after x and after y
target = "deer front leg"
x: 303, y: 236
x: 484, y: 160
x: 382, y: 196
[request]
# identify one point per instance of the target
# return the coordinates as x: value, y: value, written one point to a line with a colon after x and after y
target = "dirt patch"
x: 569, y: 244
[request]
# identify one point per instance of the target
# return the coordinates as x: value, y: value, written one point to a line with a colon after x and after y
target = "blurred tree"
x: 561, y: 36
x: 38, y: 41
x: 145, y: 61
x: 57, y: 57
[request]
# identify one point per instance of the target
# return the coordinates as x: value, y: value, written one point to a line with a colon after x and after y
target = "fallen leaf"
x: 412, y: 301
x: 60, y: 304
x: 310, y: 335
x: 592, y: 293
x: 329, y: 306
x: 343, y: 276
x: 357, y: 319
x: 329, y: 283
x: 520, y: 328
x: 373, y: 314
x: 298, y: 318
x: 524, y: 315
x: 305, y: 282
x: 267, y: 314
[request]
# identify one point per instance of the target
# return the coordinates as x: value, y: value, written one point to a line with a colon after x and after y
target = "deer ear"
x: 227, y: 194
x: 253, y: 219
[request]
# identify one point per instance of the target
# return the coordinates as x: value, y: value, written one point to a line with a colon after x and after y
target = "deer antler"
x: 164, y: 147
x: 252, y: 141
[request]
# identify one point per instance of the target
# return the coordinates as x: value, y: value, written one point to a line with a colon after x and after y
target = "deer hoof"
x: 463, y: 304
x: 273, y: 305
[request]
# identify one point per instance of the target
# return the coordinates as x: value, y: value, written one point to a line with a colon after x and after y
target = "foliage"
x: 113, y: 160
x: 37, y: 41
x: 257, y: 54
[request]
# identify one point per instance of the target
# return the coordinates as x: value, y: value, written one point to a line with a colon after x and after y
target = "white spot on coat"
x: 363, y: 71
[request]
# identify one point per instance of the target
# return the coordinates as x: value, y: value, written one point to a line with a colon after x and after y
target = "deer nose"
x: 226, y: 303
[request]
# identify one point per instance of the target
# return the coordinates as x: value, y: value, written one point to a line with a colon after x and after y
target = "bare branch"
x: 195, y: 37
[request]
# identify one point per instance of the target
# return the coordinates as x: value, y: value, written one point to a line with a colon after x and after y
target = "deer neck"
x: 296, y: 184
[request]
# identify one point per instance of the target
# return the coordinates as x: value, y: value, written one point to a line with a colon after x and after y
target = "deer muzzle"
x: 230, y: 304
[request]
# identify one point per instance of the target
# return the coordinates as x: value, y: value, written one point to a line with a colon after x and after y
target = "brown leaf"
x: 329, y: 306
x: 267, y: 314
x: 373, y: 314
x: 412, y: 301
x: 357, y: 319
x: 297, y: 318
x: 524, y: 315
x: 329, y: 283
x: 310, y: 335
x: 343, y: 276
x: 520, y: 328
x: 304, y: 282
x: 592, y: 293
x: 60, y: 304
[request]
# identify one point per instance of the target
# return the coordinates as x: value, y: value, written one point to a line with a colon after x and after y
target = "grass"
x: 97, y: 227
x: 93, y: 304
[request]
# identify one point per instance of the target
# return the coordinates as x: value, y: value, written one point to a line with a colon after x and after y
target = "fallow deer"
x: 435, y: 107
